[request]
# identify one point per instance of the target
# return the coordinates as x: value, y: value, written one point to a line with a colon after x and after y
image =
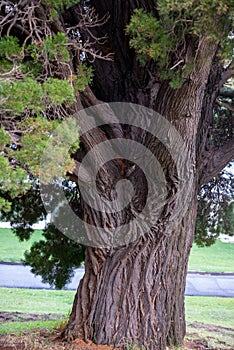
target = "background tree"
x: 164, y: 55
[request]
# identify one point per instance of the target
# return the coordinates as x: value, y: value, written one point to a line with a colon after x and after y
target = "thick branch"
x: 227, y: 74
x: 84, y: 175
x: 217, y: 159
x: 226, y: 92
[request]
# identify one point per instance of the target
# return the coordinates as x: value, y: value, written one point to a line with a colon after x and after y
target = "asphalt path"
x: 197, y: 284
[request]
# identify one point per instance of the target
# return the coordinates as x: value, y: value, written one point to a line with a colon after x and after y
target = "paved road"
x: 220, y: 285
x: 199, y: 284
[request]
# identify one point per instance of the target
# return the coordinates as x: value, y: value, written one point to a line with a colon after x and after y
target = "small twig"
x: 181, y: 61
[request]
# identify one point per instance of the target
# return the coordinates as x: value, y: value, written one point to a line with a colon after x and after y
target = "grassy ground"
x: 33, y: 302
x: 36, y: 300
x: 19, y: 327
x: 11, y: 249
x: 210, y: 310
x: 217, y: 258
x: 209, y: 320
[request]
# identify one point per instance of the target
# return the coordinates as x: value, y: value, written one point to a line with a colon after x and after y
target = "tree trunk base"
x: 136, y: 295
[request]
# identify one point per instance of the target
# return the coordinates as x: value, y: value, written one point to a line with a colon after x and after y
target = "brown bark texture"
x: 134, y: 294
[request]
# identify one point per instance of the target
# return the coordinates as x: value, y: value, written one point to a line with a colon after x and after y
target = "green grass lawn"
x: 199, y: 310
x: 19, y: 327
x: 36, y: 300
x: 11, y: 249
x: 210, y: 310
x: 210, y: 319
x: 217, y: 258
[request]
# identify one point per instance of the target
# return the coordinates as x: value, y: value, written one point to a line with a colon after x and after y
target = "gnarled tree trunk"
x: 134, y: 294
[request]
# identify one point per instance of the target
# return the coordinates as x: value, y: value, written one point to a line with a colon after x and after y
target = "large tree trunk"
x: 136, y: 294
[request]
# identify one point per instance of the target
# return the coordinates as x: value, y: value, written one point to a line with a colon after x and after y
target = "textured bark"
x: 135, y: 294
x: 211, y: 160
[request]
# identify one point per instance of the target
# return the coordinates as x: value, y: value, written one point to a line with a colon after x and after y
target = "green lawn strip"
x: 19, y: 327
x: 11, y: 249
x: 216, y: 258
x: 200, y: 310
x: 216, y: 337
x: 36, y: 301
x: 210, y: 319
x: 210, y: 310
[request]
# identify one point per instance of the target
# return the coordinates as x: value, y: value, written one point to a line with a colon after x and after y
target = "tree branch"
x: 84, y: 175
x: 226, y: 92
x: 227, y: 74
x: 216, y: 160
x: 225, y: 105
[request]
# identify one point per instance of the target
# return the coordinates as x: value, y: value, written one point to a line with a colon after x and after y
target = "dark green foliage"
x: 84, y: 76
x: 60, y: 4
x: 54, y: 7
x: 215, y: 210
x: 223, y: 118
x: 162, y: 39
x: 25, y: 211
x: 216, y: 199
x: 21, y: 95
x: 31, y: 67
x: 5, y: 66
x: 10, y: 47
x: 35, y: 91
x: 149, y: 37
x: 12, y: 182
x: 28, y: 93
x: 55, y: 257
x: 52, y: 48
x: 54, y: 90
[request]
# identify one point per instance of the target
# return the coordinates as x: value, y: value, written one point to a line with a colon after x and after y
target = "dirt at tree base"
x: 49, y: 339
x: 45, y: 340
x: 16, y: 316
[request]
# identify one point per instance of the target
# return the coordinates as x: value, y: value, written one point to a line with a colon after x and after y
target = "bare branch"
x: 226, y: 92
x: 88, y: 49
x: 227, y: 74
x: 83, y: 173
x: 216, y: 161
x: 225, y: 105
